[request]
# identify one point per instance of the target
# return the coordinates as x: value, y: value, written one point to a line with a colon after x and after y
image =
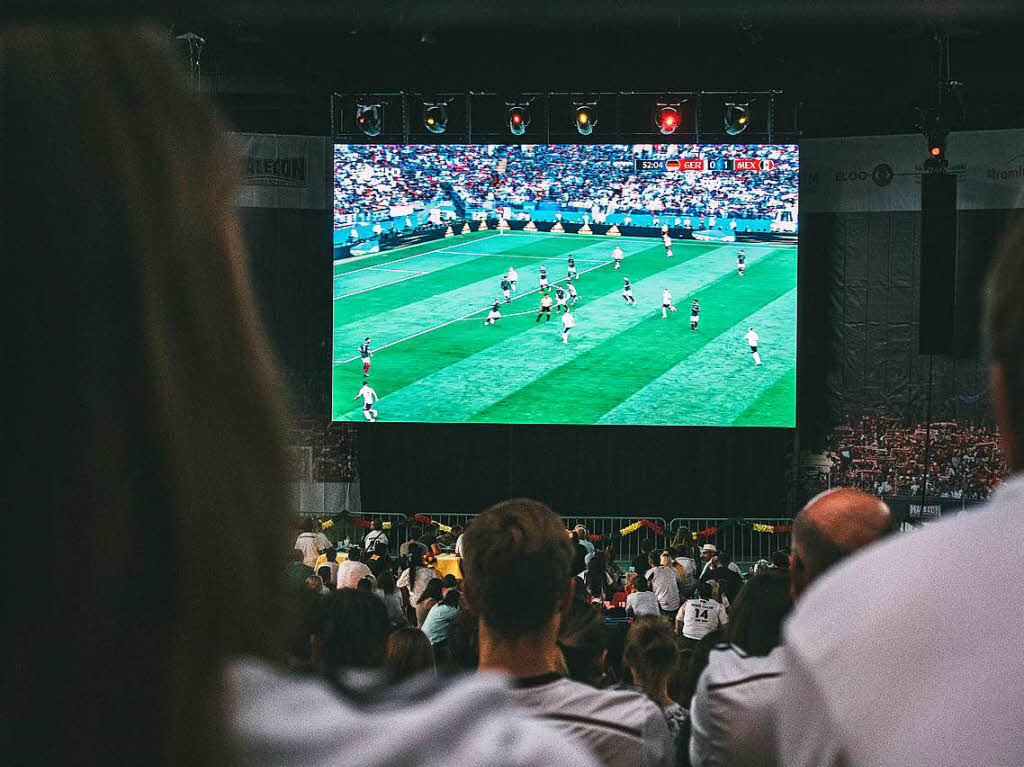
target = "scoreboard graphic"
x: 731, y: 165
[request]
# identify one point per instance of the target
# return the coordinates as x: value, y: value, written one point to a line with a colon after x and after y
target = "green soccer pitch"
x: 436, y: 361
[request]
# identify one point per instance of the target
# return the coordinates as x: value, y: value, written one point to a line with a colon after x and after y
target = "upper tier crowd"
x: 600, y: 179
x: 187, y: 624
x: 884, y: 456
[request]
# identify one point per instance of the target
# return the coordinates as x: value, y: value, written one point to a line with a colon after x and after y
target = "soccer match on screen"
x: 575, y: 284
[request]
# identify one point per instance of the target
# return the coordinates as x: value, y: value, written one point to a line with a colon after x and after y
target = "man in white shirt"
x: 739, y: 687
x: 351, y: 571
x: 885, y: 665
x: 369, y: 397
x: 752, y: 339
x: 311, y: 543
x: 568, y: 323
x: 376, y: 535
x: 700, y: 616
x: 665, y: 582
x: 518, y: 582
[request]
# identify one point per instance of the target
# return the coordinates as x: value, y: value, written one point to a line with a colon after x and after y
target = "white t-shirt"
x: 368, y: 395
x: 666, y: 297
x: 568, y: 320
x: 350, y: 573
x: 622, y: 728
x: 733, y: 707
x: 664, y: 582
x: 458, y: 545
x: 286, y: 720
x: 643, y: 603
x: 701, y: 616
x: 513, y: 275
x: 310, y: 545
x: 752, y: 337
x: 879, y: 634
x: 373, y: 537
x: 423, y: 576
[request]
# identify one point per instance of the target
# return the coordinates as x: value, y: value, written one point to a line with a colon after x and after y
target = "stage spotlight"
x: 518, y: 120
x: 586, y: 119
x: 368, y: 118
x: 936, y: 161
x: 668, y: 119
x: 737, y: 118
x: 435, y: 117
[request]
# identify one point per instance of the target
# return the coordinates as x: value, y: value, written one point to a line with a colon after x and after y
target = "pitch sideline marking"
x: 412, y: 276
x: 404, y: 258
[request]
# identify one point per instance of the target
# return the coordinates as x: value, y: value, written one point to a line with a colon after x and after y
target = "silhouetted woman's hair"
x: 755, y: 620
x: 581, y: 639
x: 407, y: 653
x: 650, y: 651
x: 597, y: 576
x: 356, y: 627
x: 147, y: 427
x: 432, y: 591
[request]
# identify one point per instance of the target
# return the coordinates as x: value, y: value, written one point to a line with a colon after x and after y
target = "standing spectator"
x: 352, y: 570
x: 407, y: 654
x: 700, y: 616
x: 642, y: 602
x: 689, y: 570
x: 458, y: 541
x: 437, y: 624
x: 707, y: 553
x: 311, y: 543
x: 379, y: 560
x: 664, y: 582
x: 740, y: 686
x: 388, y: 591
x: 614, y: 571
x: 579, y: 553
x: 652, y: 658
x: 720, y: 570
x: 429, y: 539
x: 517, y: 554
x: 432, y: 595
x: 375, y: 536
x: 584, y: 537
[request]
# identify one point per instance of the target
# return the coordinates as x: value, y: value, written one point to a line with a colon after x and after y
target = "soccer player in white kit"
x: 513, y: 275
x: 752, y: 339
x: 568, y: 323
x: 617, y: 255
x: 666, y: 303
x: 667, y: 242
x: 369, y: 397
x: 573, y: 295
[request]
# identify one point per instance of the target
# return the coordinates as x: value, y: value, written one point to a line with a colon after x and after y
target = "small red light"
x: 670, y: 120
x: 517, y: 118
x: 936, y: 151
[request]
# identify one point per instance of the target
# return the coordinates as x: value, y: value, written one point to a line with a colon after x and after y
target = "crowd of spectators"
x: 885, y: 456
x: 598, y: 179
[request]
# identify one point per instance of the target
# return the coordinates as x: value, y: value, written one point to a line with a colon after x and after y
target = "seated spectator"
x: 651, y: 656
x: 581, y: 640
x: 446, y: 540
x: 596, y: 580
x: 355, y: 633
x: 642, y: 602
x: 413, y: 582
x: 755, y: 621
x: 375, y: 536
x: 664, y: 582
x: 614, y: 571
x: 718, y: 594
x: 407, y: 654
x: 352, y: 570
x: 379, y: 560
x: 310, y: 542
x: 171, y: 407
x: 516, y: 554
x: 429, y: 539
x: 331, y: 565
x: 437, y: 624
x: 780, y: 559
x: 431, y: 595
x: 740, y: 686
x: 449, y: 582
x: 700, y: 616
x: 297, y: 570
x: 388, y: 591
x: 324, y: 574
x: 366, y: 584
x: 464, y: 642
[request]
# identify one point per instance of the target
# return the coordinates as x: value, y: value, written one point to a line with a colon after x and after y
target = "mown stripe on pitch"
x: 399, y: 311
x: 608, y: 374
x: 344, y: 265
x: 457, y: 391
x: 776, y: 405
x: 715, y: 385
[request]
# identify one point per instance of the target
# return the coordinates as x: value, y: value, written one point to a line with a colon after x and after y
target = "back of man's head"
x: 724, y: 559
x: 1004, y: 330
x: 516, y: 566
x: 831, y: 526
x: 354, y: 555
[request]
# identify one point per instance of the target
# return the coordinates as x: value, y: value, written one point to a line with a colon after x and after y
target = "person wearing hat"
x: 708, y: 552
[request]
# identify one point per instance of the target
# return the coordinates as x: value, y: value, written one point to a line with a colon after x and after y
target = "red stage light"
x: 936, y: 151
x: 517, y: 118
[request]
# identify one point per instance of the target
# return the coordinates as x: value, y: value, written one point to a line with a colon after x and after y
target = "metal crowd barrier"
x: 744, y: 544
x: 626, y: 547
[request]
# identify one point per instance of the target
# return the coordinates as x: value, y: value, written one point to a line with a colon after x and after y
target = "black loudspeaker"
x: 938, y: 264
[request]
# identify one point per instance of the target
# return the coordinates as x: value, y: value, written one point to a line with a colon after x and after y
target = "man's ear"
x: 1001, y: 401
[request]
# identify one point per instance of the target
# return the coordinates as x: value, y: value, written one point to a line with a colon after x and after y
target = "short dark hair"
x: 640, y: 582
x: 354, y: 554
x: 451, y: 597
x: 450, y: 581
x: 356, y: 628
x: 331, y: 553
x: 704, y: 589
x: 408, y: 653
x: 516, y: 566
x: 724, y: 559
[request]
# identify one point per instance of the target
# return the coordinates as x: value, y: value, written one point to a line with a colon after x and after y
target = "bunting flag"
x: 762, y: 528
x: 707, y: 532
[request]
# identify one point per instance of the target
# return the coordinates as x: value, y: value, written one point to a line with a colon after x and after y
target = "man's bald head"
x: 831, y: 526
